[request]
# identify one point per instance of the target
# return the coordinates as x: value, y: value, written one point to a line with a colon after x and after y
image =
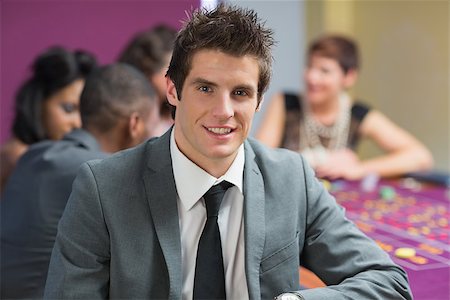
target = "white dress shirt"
x: 191, y: 183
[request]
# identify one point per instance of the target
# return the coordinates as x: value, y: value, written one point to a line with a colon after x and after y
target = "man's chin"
x: 218, y: 153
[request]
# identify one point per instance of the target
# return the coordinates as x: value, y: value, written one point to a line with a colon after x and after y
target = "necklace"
x: 313, y: 132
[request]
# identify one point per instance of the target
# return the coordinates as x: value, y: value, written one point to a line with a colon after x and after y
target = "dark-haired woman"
x: 150, y: 52
x: 46, y: 105
x: 325, y: 124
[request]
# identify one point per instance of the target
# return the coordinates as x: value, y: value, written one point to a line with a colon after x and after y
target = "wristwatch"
x: 289, y: 296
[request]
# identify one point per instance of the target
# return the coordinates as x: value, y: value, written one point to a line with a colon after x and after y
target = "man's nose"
x: 223, y: 107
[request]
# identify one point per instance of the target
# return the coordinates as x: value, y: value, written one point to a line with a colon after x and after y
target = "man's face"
x: 216, y: 108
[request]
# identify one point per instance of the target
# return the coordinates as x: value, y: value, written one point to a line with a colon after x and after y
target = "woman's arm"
x: 404, y: 153
x: 271, y: 129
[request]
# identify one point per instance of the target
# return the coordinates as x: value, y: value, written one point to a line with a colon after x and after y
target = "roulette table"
x: 404, y: 213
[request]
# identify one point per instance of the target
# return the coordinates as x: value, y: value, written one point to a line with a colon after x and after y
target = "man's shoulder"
x: 266, y: 152
x: 128, y: 159
x: 36, y: 156
x: 48, y: 163
x: 275, y: 158
x: 59, y: 154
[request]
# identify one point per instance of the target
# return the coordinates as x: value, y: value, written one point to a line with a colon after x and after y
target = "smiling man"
x: 205, y: 213
x: 220, y: 98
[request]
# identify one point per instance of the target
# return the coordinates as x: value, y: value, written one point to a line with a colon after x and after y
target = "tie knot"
x: 213, y: 198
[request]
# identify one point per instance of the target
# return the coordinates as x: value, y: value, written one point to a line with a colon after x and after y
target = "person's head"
x: 220, y: 68
x: 234, y: 31
x: 47, y: 104
x: 118, y: 101
x: 149, y: 51
x: 333, y: 63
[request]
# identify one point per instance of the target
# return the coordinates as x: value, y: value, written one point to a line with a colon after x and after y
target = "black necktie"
x: 209, y: 282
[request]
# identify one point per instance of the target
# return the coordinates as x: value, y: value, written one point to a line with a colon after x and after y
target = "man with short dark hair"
x: 205, y: 213
x: 116, y: 106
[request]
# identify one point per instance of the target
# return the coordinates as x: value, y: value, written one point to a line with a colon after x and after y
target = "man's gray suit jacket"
x: 119, y: 236
x: 31, y: 206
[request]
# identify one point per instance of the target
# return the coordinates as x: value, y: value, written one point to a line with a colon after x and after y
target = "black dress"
x: 294, y: 114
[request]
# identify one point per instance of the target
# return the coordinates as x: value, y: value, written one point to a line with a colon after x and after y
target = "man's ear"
x: 171, y: 92
x: 350, y: 78
x: 135, y: 126
x: 258, y: 108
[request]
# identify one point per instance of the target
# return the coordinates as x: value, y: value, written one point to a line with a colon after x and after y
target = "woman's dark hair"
x: 338, y: 47
x: 52, y: 70
x: 147, y: 50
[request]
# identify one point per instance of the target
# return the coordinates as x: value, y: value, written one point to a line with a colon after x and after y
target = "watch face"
x: 288, y: 296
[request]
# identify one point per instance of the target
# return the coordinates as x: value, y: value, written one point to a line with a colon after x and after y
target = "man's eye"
x: 240, y: 93
x: 69, y: 107
x: 204, y: 89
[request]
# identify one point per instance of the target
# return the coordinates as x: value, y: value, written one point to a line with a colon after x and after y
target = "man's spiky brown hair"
x: 229, y: 29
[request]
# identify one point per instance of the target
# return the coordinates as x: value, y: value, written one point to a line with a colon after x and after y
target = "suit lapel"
x: 254, y: 221
x: 162, y: 198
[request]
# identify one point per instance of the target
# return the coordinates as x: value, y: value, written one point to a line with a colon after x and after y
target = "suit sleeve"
x: 79, y: 266
x: 352, y: 265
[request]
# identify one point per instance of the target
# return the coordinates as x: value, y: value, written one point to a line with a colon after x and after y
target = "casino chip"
x: 326, y: 184
x: 387, y: 193
x: 405, y: 252
x: 369, y: 183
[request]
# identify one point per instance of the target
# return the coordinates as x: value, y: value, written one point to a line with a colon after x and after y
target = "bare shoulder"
x: 271, y: 129
x: 10, y: 152
x: 277, y: 100
x: 386, y: 133
x: 376, y: 121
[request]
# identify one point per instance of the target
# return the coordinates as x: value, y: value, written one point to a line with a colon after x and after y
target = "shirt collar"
x: 186, y: 173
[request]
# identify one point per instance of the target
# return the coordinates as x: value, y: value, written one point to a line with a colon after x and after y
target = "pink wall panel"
x: 103, y: 27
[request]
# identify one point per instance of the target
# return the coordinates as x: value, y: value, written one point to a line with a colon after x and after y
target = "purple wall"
x: 101, y: 26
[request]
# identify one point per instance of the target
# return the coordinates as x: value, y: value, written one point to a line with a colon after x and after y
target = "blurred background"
x: 404, y: 49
